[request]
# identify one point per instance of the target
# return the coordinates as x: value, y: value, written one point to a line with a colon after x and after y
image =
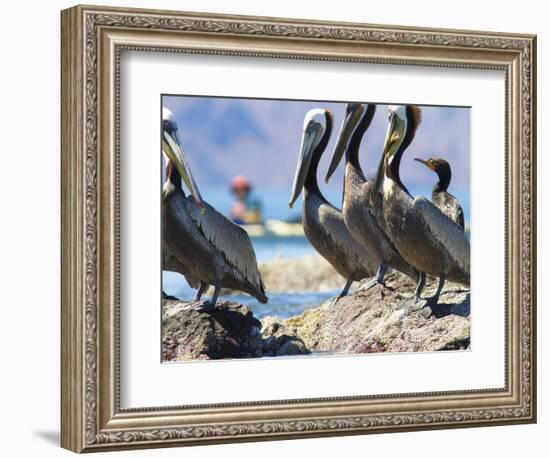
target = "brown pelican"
x: 425, y: 237
x: 210, y: 248
x: 360, y: 217
x: 169, y: 261
x: 323, y: 223
x: 443, y: 200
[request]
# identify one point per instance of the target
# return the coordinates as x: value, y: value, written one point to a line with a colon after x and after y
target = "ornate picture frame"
x: 93, y: 39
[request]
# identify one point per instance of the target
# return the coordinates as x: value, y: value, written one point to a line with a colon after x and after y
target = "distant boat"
x: 275, y: 228
x: 284, y: 228
x: 254, y: 230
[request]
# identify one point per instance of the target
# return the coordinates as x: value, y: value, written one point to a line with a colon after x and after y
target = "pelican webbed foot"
x: 203, y: 306
x: 377, y: 280
x: 411, y: 304
x: 370, y: 284
x: 330, y: 302
x: 414, y: 304
x: 207, y: 306
x: 417, y: 304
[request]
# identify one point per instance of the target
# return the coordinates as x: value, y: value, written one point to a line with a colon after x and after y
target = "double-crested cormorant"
x: 365, y: 225
x: 210, y: 248
x: 426, y: 238
x: 323, y: 223
x: 443, y: 200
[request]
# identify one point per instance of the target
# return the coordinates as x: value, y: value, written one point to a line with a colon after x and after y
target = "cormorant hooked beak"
x: 313, y: 133
x: 394, y: 138
x: 428, y: 164
x: 172, y: 148
x: 354, y: 114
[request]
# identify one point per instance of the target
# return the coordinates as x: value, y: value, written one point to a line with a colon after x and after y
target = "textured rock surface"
x: 362, y: 322
x: 228, y: 331
x: 368, y: 321
x: 279, y: 340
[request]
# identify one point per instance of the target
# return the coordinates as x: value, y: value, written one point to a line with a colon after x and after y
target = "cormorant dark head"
x: 441, y: 167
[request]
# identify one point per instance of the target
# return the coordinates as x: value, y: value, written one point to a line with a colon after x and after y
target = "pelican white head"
x: 173, y: 152
x: 316, y: 115
x: 168, y: 116
x: 356, y: 114
x: 398, y: 110
x: 314, y: 129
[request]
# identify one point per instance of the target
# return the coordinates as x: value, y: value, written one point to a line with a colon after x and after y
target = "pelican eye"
x: 351, y: 107
x: 168, y: 126
x: 311, y: 125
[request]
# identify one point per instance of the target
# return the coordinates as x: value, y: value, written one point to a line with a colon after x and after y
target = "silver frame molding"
x: 92, y: 40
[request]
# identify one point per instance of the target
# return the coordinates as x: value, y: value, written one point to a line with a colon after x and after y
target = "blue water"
x: 269, y: 247
x: 282, y: 305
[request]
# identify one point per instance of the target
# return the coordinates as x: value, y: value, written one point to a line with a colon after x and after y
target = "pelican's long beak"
x: 310, y: 139
x: 426, y: 163
x: 172, y: 147
x: 394, y: 138
x: 354, y: 113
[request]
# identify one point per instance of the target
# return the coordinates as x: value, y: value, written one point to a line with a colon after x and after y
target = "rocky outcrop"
x: 228, y: 331
x: 369, y: 321
x: 362, y: 322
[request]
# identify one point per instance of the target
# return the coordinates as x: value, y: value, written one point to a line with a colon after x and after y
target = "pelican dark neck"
x: 444, y: 173
x: 392, y: 171
x: 311, y: 183
x: 173, y: 175
x: 352, y: 152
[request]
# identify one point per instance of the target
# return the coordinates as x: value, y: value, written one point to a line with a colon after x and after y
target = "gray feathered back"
x: 445, y: 231
x: 333, y: 220
x: 231, y: 240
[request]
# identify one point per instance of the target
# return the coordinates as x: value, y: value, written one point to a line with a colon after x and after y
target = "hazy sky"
x: 260, y: 139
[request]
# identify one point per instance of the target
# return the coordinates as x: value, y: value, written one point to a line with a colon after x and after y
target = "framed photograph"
x: 278, y: 228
